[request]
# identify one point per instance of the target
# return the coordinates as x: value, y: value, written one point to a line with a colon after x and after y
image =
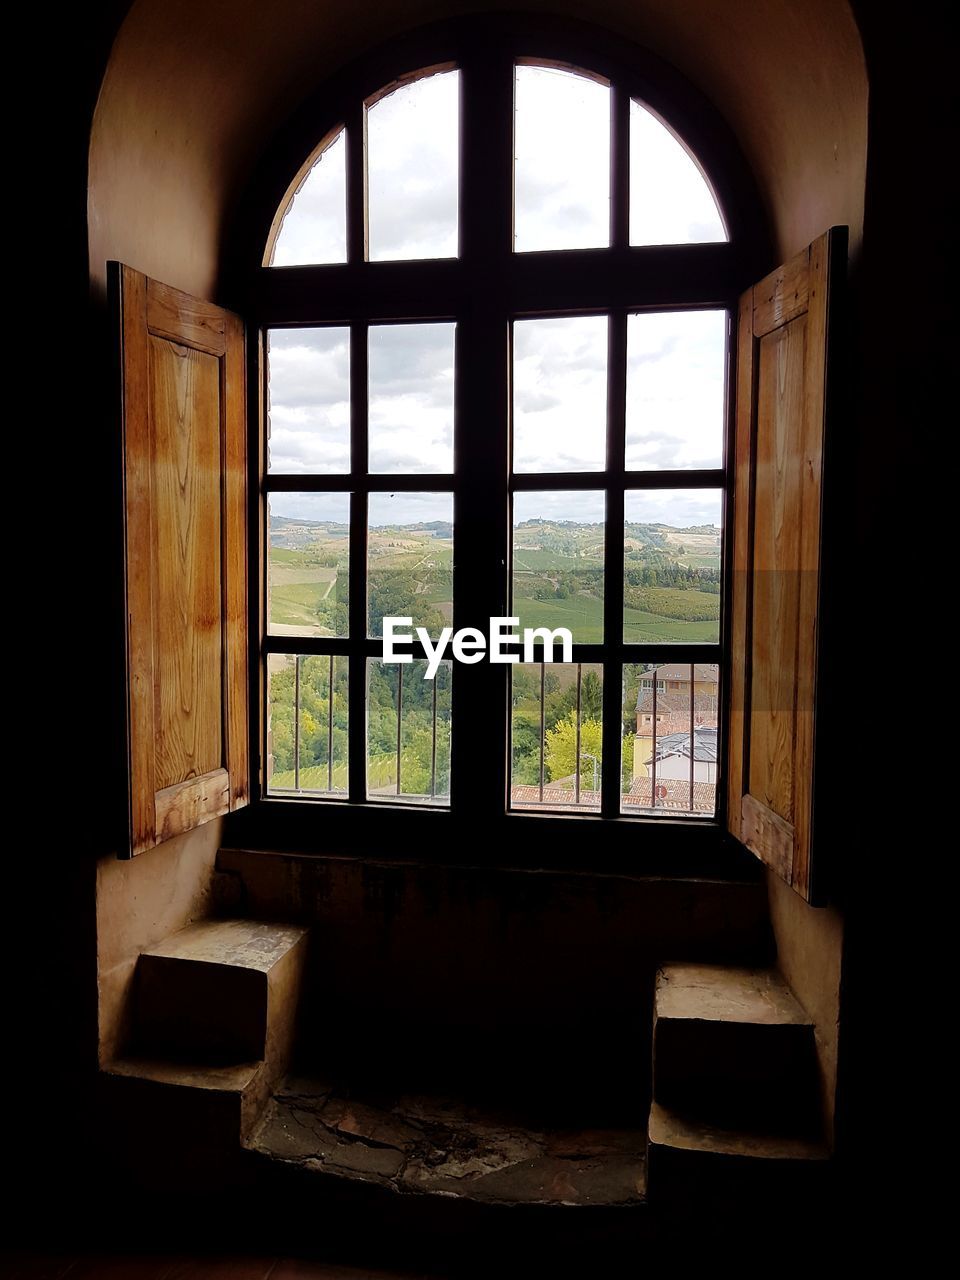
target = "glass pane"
x: 308, y: 564
x: 562, y: 165
x: 558, y: 562
x: 308, y: 400
x: 408, y: 733
x: 413, y: 170
x: 665, y: 709
x: 556, y: 736
x: 314, y: 227
x: 560, y: 394
x: 671, y: 567
x: 307, y: 727
x: 676, y: 364
x: 410, y: 560
x: 670, y: 199
x: 411, y: 397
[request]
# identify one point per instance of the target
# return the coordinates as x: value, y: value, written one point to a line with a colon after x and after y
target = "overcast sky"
x: 675, y: 361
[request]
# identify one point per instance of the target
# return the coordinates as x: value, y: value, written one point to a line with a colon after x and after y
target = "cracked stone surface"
x: 440, y: 1147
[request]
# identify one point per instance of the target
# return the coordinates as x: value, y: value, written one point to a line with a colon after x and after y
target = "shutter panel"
x: 782, y: 359
x: 184, y: 448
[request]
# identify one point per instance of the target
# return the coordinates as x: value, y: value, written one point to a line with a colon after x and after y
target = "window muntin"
x: 618, y: 412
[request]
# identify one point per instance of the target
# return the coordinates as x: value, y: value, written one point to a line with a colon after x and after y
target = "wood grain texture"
x: 782, y: 295
x: 811, y: 522
x: 778, y: 518
x: 235, y: 550
x: 189, y: 804
x: 742, y: 561
x: 174, y: 314
x: 184, y: 438
x: 185, y: 404
x: 776, y: 543
x: 139, y: 551
x: 767, y: 835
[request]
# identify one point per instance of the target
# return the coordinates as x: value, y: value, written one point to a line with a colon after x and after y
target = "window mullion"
x: 619, y: 167
x: 613, y: 564
x: 358, y: 566
x: 481, y: 446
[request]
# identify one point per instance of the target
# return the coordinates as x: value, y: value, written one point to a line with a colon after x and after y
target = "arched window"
x: 495, y: 304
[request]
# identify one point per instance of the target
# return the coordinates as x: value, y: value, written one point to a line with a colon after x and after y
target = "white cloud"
x: 309, y: 400
x: 670, y: 200
x: 560, y: 394
x: 675, y: 389
x: 680, y: 508
x: 562, y: 178
x: 322, y: 507
x: 413, y: 170
x: 314, y: 228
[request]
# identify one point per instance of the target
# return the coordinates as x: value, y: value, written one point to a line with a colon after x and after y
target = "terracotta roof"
x: 675, y: 709
x: 673, y: 796
x: 702, y: 671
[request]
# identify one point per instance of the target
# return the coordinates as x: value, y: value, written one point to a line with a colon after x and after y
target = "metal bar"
x: 372, y: 647
x: 693, y: 686
x: 330, y: 727
x: 653, y: 757
x: 433, y: 747
x: 399, y: 719
x: 611, y: 800
x: 296, y: 722
x: 356, y: 645
x: 576, y: 784
x: 543, y: 669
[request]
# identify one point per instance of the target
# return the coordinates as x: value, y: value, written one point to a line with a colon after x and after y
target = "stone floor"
x: 431, y: 1146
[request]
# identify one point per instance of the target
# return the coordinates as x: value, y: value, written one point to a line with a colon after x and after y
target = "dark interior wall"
x: 193, y: 91
x: 190, y: 99
x: 904, y: 256
x: 531, y: 988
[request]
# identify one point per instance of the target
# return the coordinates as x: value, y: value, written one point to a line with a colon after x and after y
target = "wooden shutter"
x: 782, y: 359
x: 184, y: 451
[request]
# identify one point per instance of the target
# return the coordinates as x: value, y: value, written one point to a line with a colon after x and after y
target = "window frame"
x: 616, y: 281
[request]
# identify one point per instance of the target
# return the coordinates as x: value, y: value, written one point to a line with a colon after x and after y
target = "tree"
x: 561, y: 748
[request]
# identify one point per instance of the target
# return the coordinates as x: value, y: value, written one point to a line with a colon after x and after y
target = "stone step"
x: 190, y: 1116
x: 732, y: 1046
x: 215, y: 1018
x: 690, y: 1158
x: 220, y: 990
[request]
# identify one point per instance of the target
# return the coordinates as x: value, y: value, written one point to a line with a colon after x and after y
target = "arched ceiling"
x: 194, y: 90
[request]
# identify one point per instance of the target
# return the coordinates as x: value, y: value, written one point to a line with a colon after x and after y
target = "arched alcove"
x: 192, y: 94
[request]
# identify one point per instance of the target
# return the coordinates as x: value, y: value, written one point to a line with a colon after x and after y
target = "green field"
x: 296, y: 589
x: 584, y: 616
